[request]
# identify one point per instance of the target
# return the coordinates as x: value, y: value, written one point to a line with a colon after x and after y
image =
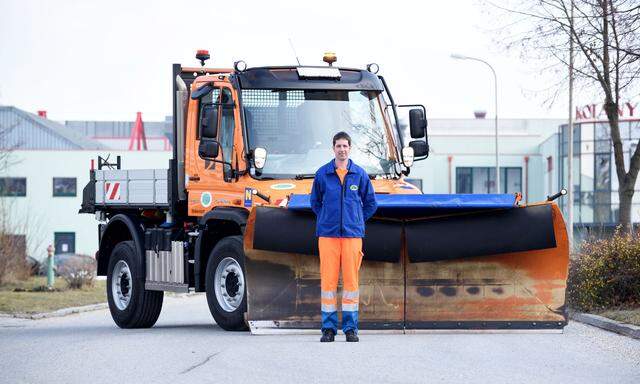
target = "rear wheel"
x: 130, y: 304
x: 225, y: 284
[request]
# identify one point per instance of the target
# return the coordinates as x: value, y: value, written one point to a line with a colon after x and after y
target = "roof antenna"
x: 294, y: 51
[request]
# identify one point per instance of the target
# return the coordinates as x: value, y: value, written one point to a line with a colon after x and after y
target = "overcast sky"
x: 103, y: 60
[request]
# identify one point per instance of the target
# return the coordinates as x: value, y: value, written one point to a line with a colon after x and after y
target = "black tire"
x: 228, y: 247
x: 144, y: 306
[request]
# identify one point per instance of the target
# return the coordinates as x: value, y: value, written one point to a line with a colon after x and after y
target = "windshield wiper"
x: 305, y: 176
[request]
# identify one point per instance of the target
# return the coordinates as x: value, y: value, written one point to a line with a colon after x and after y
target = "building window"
x: 64, y: 242
x: 464, y: 180
x: 13, y: 186
x: 64, y: 186
x: 511, y: 179
x: 549, y: 175
x: 483, y: 179
x: 634, y: 129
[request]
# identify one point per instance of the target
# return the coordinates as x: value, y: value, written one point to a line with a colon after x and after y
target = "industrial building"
x: 45, y: 165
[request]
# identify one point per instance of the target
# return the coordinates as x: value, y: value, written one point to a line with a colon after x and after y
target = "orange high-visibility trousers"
x: 338, y: 253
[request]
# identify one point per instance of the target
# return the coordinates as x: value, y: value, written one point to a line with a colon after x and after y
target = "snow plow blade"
x: 432, y: 262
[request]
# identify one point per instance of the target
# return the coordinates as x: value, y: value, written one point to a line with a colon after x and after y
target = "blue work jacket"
x: 342, y: 209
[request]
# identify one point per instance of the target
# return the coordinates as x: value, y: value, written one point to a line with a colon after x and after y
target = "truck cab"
x: 258, y: 135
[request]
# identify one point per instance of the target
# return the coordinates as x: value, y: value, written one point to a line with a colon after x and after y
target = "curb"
x: 73, y: 310
x: 608, y: 324
x: 58, y: 313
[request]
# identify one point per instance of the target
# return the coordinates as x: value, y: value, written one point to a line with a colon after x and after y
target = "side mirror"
x: 259, y: 157
x: 209, y: 121
x: 208, y: 148
x: 407, y: 156
x: 417, y: 124
x: 198, y: 93
x: 420, y: 148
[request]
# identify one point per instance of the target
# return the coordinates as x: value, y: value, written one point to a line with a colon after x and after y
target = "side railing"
x: 132, y: 187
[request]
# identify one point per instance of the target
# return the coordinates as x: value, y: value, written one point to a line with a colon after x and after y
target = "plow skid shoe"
x: 486, y: 269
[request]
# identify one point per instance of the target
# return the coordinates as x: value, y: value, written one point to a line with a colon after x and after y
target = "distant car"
x: 65, y: 260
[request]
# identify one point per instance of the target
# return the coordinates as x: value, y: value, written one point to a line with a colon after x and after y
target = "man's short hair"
x: 341, y: 136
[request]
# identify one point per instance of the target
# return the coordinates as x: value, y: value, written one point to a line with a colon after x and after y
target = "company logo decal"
x: 248, y: 197
x: 353, y: 187
x: 283, y: 186
x: 205, y: 199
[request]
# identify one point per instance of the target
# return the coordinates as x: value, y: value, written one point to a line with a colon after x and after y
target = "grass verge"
x: 630, y: 316
x: 31, y: 300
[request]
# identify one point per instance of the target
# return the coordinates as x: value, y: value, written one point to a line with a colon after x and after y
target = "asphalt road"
x: 186, y: 346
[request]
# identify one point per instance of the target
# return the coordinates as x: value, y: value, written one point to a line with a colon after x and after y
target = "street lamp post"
x: 495, y: 92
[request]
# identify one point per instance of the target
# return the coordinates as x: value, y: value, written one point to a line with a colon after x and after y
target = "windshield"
x: 296, y: 127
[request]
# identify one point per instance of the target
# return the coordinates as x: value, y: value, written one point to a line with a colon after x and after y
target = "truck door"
x: 214, y: 184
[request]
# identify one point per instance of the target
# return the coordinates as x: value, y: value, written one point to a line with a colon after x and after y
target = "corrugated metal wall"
x: 20, y: 131
x: 23, y: 130
x: 119, y: 128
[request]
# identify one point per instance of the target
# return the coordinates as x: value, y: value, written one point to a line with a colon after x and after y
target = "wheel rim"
x: 121, y: 285
x: 229, y: 284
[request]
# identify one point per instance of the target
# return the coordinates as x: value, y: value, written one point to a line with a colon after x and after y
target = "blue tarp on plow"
x: 426, y: 202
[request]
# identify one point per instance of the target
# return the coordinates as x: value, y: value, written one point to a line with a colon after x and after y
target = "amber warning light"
x: 329, y: 58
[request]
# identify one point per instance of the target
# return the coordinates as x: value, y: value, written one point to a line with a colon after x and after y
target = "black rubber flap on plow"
x: 482, y: 233
x: 282, y: 230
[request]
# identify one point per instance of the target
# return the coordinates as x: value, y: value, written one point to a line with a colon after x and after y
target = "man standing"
x: 342, y: 198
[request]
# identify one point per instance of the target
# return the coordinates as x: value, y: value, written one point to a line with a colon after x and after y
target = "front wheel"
x: 225, y: 284
x: 130, y: 304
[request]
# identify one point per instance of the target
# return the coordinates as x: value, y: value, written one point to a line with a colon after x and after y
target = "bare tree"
x: 14, y: 244
x: 606, y: 34
x: 6, y: 147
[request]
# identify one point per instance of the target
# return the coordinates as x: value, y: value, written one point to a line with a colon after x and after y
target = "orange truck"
x: 230, y: 215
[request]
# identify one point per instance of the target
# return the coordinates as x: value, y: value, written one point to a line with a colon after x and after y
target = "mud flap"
x: 489, y: 269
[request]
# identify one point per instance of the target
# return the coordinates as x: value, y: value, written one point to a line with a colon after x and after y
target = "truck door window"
x: 227, y: 125
x: 216, y: 114
x: 208, y: 104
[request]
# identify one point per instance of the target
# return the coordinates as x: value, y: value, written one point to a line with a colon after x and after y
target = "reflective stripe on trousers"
x: 328, y: 301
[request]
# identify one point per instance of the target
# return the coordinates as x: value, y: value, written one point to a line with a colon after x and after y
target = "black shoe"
x: 351, y: 336
x: 328, y: 336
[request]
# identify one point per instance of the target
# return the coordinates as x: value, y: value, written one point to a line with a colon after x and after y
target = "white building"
x: 462, y: 157
x: 53, y: 183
